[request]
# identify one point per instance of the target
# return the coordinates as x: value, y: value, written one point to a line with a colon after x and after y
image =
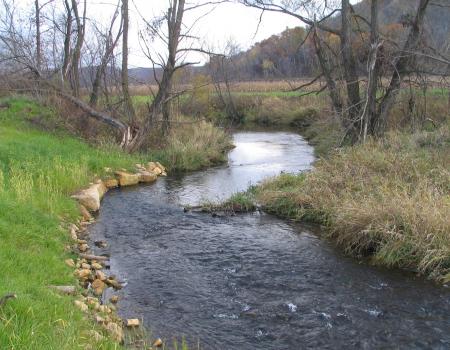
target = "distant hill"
x: 437, y: 17
x: 281, y: 56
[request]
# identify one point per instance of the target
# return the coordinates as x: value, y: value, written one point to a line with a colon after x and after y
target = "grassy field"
x: 274, y: 103
x: 38, y: 172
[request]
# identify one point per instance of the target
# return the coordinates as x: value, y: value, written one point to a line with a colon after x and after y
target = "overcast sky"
x: 228, y: 20
x: 225, y: 21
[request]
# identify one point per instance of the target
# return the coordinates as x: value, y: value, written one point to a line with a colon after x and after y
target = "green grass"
x: 240, y: 202
x: 38, y: 172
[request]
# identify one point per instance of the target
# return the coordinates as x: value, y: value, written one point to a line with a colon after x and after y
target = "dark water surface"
x: 254, y: 281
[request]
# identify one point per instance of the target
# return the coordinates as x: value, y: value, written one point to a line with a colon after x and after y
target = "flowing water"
x: 254, y: 281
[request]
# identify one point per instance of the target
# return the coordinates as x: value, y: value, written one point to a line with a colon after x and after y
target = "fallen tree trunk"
x: 124, y: 129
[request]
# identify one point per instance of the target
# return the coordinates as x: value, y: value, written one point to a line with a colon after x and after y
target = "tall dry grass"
x: 193, y: 145
x: 387, y: 199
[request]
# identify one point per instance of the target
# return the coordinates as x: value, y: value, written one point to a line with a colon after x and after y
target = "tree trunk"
x: 81, y: 27
x: 38, y: 35
x: 67, y: 40
x: 351, y: 119
x: 128, y: 103
x: 327, y: 72
x: 110, y: 45
x: 370, y: 108
x: 93, y: 99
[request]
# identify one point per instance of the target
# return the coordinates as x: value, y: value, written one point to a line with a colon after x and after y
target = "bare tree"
x: 19, y: 51
x: 359, y: 116
x: 110, y: 43
x: 67, y: 41
x: 160, y: 105
x: 80, y: 21
x: 402, y: 64
x: 220, y: 67
x: 373, y: 70
x: 128, y: 104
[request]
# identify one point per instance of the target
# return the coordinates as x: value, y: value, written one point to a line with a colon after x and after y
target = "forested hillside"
x: 291, y: 53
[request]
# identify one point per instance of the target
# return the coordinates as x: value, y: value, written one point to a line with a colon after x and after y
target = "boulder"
x: 101, y: 188
x: 99, y: 319
x: 113, y: 283
x: 100, y: 275
x: 111, y: 182
x: 159, y: 165
x: 83, y: 273
x: 158, y: 343
x: 133, y: 322
x: 89, y: 198
x: 85, y: 213
x: 150, y: 166
x: 73, y: 233
x: 96, y: 266
x: 104, y: 309
x: 127, y: 179
x: 147, y: 176
x: 114, y: 299
x: 157, y: 171
x: 83, y: 247
x: 93, y: 303
x: 157, y: 168
x: 140, y: 167
x: 98, y: 286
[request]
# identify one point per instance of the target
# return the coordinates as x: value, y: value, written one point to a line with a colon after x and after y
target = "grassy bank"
x: 388, y: 200
x: 38, y: 172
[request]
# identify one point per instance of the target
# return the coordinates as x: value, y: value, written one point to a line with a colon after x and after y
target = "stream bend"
x: 254, y: 281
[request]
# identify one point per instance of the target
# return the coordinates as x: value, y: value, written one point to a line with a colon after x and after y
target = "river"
x: 254, y: 281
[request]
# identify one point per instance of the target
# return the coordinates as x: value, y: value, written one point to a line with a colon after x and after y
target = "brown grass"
x: 389, y: 199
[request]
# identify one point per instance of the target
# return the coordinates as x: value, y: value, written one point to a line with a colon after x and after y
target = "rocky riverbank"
x: 89, y: 269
